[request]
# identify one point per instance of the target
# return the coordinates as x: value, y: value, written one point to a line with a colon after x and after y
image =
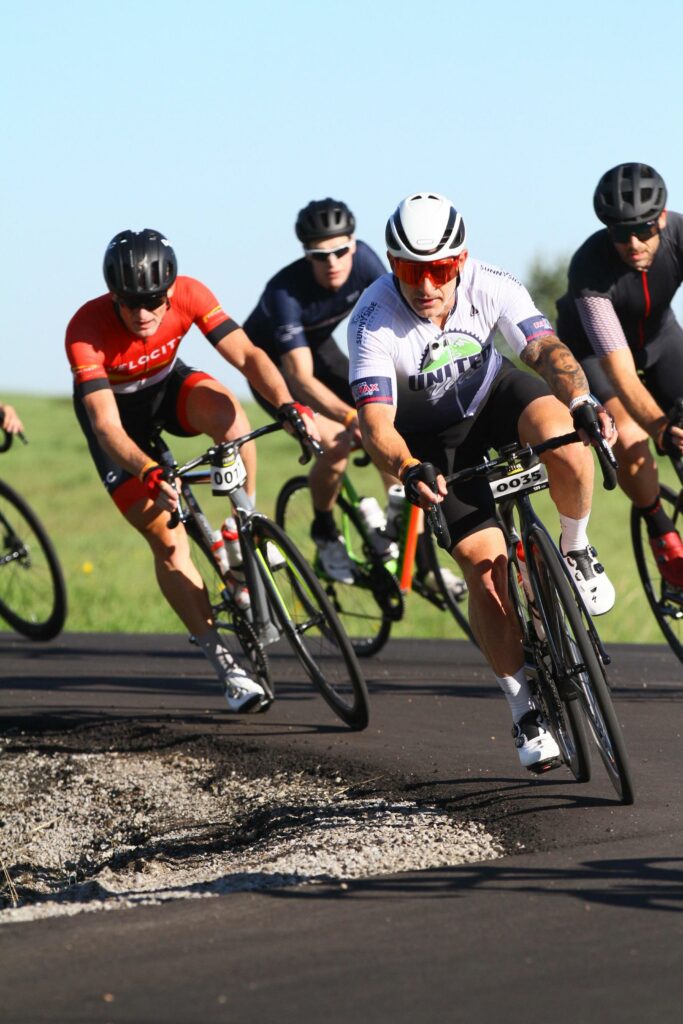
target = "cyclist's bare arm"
x: 10, y: 421
x: 554, y: 362
x: 388, y: 450
x: 261, y: 372
x: 297, y: 366
x: 636, y: 399
x: 558, y: 367
x: 106, y: 422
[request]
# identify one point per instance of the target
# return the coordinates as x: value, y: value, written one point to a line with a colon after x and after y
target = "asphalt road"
x: 582, y: 922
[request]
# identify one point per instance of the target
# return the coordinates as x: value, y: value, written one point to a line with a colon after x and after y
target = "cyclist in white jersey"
x: 430, y: 386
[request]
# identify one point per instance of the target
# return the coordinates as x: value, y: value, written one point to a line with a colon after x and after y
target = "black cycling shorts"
x: 471, y: 507
x: 143, y: 413
x: 330, y: 366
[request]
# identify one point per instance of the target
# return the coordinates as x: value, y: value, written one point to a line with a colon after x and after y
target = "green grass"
x: 108, y: 567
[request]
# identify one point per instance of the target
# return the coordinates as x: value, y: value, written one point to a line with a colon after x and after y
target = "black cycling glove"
x: 421, y: 471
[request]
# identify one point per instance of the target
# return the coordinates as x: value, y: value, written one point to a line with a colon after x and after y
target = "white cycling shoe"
x: 537, y: 749
x: 333, y: 559
x: 455, y: 586
x: 591, y: 580
x: 242, y: 694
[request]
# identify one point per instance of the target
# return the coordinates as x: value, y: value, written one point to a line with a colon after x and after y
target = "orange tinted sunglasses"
x: 439, y: 272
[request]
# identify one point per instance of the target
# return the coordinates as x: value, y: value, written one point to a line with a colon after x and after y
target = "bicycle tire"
x: 309, y: 622
x: 666, y: 602
x: 32, y: 590
x: 438, y: 561
x: 584, y: 683
x: 231, y: 622
x: 367, y: 607
x: 550, y: 648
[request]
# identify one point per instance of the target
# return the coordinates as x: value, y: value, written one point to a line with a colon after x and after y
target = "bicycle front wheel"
x: 665, y: 601
x: 32, y: 589
x: 367, y: 606
x: 576, y: 668
x: 310, y: 623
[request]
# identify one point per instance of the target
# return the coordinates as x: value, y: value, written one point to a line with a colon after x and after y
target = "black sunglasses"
x: 323, y: 255
x: 621, y: 233
x: 150, y: 302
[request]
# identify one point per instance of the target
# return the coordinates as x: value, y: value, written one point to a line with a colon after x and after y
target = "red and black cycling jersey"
x: 610, y: 305
x: 104, y: 353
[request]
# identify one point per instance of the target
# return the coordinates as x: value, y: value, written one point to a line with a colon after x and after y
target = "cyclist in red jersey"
x: 129, y: 382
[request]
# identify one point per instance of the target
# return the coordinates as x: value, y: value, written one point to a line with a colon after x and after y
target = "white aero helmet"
x: 425, y: 227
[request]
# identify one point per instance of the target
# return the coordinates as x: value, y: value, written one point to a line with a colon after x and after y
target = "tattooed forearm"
x: 550, y: 358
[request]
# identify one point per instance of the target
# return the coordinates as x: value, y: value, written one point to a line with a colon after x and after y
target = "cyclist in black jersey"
x: 293, y: 322
x: 616, y: 317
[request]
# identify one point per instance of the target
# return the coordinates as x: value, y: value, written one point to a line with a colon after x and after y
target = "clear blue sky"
x: 216, y: 121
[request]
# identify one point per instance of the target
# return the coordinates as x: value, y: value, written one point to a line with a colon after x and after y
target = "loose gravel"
x: 84, y: 830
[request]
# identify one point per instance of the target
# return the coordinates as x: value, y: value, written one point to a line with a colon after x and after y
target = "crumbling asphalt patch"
x: 92, y: 821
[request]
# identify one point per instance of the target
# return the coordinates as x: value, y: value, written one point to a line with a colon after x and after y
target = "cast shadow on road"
x: 636, y: 883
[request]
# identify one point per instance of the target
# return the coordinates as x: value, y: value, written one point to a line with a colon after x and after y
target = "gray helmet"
x: 324, y: 218
x: 629, y: 194
x: 139, y: 264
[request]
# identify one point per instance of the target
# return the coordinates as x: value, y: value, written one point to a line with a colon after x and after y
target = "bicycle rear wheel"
x: 572, y: 661
x: 366, y: 607
x: 310, y: 623
x: 32, y: 589
x: 441, y: 564
x: 665, y: 601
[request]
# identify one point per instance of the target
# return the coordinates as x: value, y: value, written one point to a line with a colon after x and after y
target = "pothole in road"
x: 100, y: 830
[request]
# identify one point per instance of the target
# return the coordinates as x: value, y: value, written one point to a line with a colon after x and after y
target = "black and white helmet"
x: 629, y: 194
x: 425, y: 227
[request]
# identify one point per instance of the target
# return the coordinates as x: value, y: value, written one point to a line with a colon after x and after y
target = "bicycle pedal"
x: 545, y: 766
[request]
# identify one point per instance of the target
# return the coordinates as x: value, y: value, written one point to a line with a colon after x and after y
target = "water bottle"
x: 231, y: 541
x: 219, y: 552
x: 524, y: 580
x: 372, y: 514
x: 395, y: 509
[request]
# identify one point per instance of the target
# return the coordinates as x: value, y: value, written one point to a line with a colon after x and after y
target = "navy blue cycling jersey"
x: 610, y: 305
x: 295, y: 311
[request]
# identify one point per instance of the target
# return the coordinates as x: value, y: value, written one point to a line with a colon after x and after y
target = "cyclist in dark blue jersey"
x: 294, y: 322
x: 616, y: 317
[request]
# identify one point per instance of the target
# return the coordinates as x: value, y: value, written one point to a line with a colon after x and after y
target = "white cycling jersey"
x: 436, y: 377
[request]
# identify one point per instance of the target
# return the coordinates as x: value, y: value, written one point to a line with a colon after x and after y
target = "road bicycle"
x: 375, y: 600
x: 564, y: 656
x: 665, y: 600
x: 32, y: 588
x: 285, y: 599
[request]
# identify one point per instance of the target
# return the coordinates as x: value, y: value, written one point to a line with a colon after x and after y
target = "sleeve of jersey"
x: 207, y: 313
x: 519, y: 320
x: 87, y: 364
x: 285, y: 315
x: 372, y: 374
x: 601, y: 324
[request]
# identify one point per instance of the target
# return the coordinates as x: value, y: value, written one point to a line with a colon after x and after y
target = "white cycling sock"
x: 517, y: 693
x: 216, y: 651
x: 574, y: 536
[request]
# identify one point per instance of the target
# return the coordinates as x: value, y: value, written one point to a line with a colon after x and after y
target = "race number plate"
x: 230, y: 475
x: 533, y: 479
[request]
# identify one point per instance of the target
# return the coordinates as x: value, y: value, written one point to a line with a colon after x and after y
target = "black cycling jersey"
x: 295, y: 311
x: 609, y: 306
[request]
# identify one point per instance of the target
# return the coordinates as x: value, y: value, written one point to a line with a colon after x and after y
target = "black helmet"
x: 139, y: 264
x: 629, y: 194
x: 324, y: 218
